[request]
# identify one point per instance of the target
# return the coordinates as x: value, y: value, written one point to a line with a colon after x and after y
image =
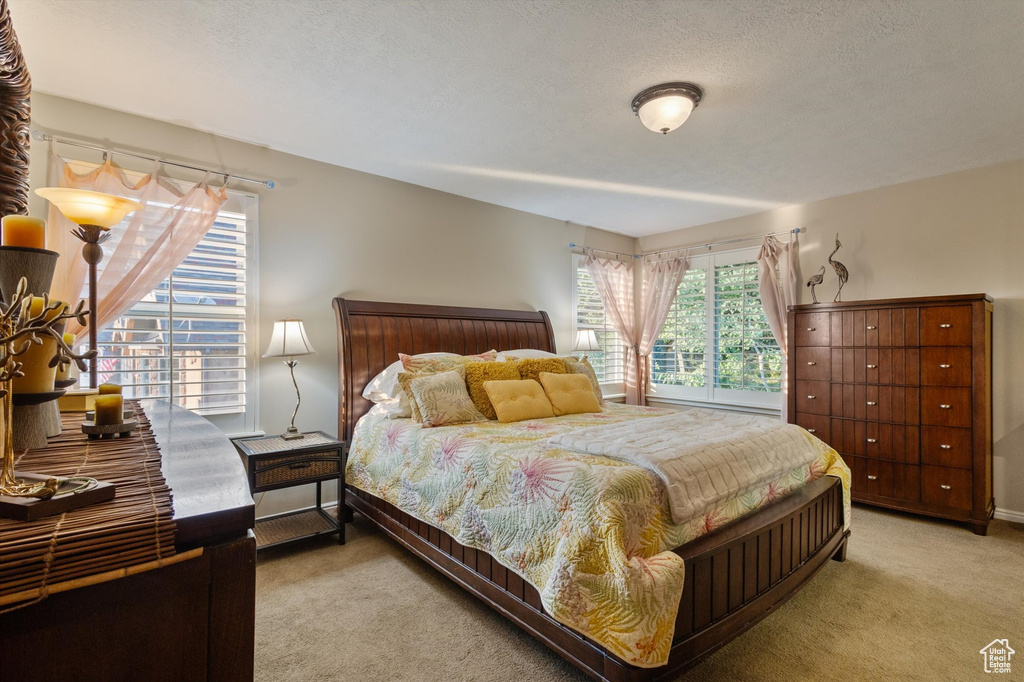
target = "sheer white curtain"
x: 143, y: 249
x: 777, y: 285
x: 614, y: 282
x: 661, y: 280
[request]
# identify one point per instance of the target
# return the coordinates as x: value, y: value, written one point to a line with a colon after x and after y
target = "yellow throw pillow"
x: 516, y: 401
x: 569, y: 393
x: 583, y: 366
x: 405, y: 381
x: 443, y: 400
x: 530, y: 368
x: 479, y: 372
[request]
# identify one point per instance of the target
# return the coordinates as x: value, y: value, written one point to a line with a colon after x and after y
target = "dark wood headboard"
x: 372, y: 334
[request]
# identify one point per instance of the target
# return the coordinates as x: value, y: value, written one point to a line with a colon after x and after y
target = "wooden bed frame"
x: 735, y: 576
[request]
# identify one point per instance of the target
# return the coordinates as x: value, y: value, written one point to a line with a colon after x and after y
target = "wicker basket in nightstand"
x: 273, y: 463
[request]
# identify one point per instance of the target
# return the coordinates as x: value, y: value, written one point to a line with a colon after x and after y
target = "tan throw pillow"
x: 405, y: 381
x: 569, y: 393
x: 516, y: 401
x: 583, y: 366
x: 531, y: 368
x: 479, y: 372
x: 443, y: 400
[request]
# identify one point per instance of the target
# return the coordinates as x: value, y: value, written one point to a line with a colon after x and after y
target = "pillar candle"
x: 66, y: 373
x: 22, y: 230
x: 109, y: 409
x: 34, y: 362
x: 109, y: 389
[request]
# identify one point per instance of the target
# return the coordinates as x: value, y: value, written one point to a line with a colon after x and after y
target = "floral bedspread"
x: 592, y: 534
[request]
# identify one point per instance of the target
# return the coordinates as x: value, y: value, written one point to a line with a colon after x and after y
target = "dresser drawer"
x: 813, y: 363
x: 812, y: 397
x: 947, y: 447
x: 946, y: 326
x: 896, y: 442
x: 879, y: 478
x: 946, y: 366
x: 946, y: 487
x: 811, y: 329
x: 946, y: 406
x: 883, y: 327
x: 295, y: 468
x: 896, y: 404
x: 816, y: 424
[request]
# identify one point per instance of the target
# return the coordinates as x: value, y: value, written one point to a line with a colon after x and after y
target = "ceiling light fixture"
x: 663, y: 108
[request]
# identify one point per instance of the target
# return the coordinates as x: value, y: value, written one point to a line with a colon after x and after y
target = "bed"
x: 734, y: 575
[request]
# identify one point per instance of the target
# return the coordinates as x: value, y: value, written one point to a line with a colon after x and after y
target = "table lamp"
x: 586, y: 342
x: 94, y: 213
x: 288, y: 340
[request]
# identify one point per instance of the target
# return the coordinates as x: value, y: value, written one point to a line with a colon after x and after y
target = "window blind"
x: 609, y: 363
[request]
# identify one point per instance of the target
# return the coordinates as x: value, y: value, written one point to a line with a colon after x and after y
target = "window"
x: 190, y: 340
x: 609, y: 364
x: 716, y: 345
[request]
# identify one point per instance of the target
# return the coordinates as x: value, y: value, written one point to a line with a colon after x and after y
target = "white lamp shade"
x: 666, y: 113
x: 586, y: 341
x: 85, y: 207
x: 288, y: 339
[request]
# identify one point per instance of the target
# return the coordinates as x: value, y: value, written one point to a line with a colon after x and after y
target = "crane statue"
x: 841, y: 272
x: 814, y: 281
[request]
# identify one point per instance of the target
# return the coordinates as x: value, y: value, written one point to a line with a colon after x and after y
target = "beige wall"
x: 327, y: 231
x: 960, y: 233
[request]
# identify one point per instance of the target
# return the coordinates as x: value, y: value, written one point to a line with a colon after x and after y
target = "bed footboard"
x: 735, y: 576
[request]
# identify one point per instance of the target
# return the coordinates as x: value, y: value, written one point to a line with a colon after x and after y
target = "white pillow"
x: 525, y: 353
x: 385, y: 386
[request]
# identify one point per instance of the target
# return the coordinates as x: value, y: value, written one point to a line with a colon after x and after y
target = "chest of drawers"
x: 902, y: 388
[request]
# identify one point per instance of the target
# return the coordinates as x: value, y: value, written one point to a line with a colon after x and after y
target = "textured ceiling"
x: 526, y: 103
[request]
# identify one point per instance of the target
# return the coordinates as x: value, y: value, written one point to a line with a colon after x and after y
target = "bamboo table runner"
x: 136, y: 528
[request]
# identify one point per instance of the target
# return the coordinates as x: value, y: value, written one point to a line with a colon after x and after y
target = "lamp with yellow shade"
x: 94, y: 213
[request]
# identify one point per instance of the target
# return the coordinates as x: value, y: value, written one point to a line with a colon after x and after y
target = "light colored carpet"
x: 915, y: 600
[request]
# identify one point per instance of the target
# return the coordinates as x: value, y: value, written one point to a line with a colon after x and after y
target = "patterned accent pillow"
x: 583, y: 366
x: 433, y: 363
x: 442, y: 399
x: 405, y: 380
x: 531, y: 368
x: 479, y: 372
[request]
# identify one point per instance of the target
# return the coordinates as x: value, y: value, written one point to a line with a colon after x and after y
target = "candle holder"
x: 35, y: 265
x: 19, y: 330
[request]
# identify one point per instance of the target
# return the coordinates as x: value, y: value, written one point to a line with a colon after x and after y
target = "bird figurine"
x: 815, y: 281
x: 841, y: 272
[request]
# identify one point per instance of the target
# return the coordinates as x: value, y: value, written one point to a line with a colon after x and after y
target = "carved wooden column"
x: 15, y: 109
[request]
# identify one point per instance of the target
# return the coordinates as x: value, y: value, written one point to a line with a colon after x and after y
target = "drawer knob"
x: 810, y: 329
x: 944, y: 366
x: 946, y: 407
x: 946, y: 447
x: 872, y: 477
x: 872, y: 366
x: 810, y: 397
x: 812, y: 430
x: 871, y: 326
x: 300, y: 465
x: 871, y: 403
x: 812, y: 363
x: 872, y: 440
x: 945, y: 326
x: 945, y: 487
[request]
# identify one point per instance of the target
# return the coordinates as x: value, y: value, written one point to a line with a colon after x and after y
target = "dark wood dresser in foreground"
x: 192, y: 621
x: 902, y: 388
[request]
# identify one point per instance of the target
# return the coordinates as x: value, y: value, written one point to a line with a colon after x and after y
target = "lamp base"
x: 292, y: 434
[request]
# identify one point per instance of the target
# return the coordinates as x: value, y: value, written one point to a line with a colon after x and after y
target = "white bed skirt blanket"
x: 703, y: 457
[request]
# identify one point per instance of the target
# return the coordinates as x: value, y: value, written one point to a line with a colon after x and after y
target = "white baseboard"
x: 1008, y: 515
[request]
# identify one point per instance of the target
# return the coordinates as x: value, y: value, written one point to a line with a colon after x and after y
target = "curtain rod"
x: 719, y: 243
x: 573, y: 245
x: 45, y: 137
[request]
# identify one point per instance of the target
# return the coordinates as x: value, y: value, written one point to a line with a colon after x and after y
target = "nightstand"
x: 274, y: 463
